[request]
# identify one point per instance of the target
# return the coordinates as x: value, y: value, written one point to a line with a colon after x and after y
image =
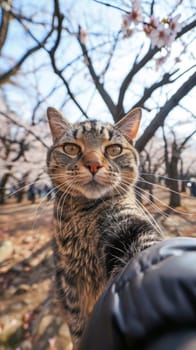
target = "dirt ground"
x: 29, y: 316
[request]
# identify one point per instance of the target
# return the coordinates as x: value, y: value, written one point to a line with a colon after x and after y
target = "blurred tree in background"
x: 97, y: 59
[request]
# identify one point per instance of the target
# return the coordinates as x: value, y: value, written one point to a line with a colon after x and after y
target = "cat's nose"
x: 93, y: 166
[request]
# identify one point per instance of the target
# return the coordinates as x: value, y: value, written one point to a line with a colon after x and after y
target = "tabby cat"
x: 99, y: 226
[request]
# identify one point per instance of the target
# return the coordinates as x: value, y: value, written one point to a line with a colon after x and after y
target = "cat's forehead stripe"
x: 94, y: 127
x: 75, y: 131
x: 111, y: 134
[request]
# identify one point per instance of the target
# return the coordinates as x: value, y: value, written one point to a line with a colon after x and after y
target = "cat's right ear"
x: 129, y: 124
x: 57, y: 123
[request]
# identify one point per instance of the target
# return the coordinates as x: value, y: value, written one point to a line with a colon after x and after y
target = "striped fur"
x: 99, y: 226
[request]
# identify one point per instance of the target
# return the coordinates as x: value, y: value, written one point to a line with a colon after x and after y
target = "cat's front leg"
x: 69, y: 302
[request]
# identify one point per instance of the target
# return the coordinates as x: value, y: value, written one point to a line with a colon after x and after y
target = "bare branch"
x: 60, y: 18
x: 126, y: 82
x: 164, y: 111
x: 166, y: 152
x: 111, y: 54
x: 148, y: 91
x: 25, y: 128
x: 41, y: 100
x: 186, y: 140
x: 5, y: 20
x: 77, y: 58
x: 21, y: 153
x: 100, y: 87
x: 4, y: 78
x: 110, y: 5
x: 152, y: 7
x: 186, y: 29
x: 52, y: 52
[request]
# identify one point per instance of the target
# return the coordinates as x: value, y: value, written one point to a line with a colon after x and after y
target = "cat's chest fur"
x: 80, y: 250
x: 81, y: 237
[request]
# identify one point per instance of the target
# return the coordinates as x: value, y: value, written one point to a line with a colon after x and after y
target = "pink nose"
x: 93, y: 166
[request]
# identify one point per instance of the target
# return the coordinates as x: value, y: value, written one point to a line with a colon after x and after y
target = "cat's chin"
x: 94, y: 191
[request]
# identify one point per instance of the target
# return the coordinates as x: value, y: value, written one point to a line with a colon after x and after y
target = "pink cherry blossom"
x: 162, y: 33
x: 136, y: 4
x: 128, y: 33
x: 126, y: 22
x: 135, y: 16
x: 174, y: 25
x: 136, y: 13
x: 161, y: 36
x: 153, y: 24
x: 161, y: 60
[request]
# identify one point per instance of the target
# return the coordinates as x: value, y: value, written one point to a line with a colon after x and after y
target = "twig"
x: 112, y: 6
x: 24, y: 127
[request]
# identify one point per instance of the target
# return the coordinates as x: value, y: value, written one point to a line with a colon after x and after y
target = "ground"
x: 29, y: 315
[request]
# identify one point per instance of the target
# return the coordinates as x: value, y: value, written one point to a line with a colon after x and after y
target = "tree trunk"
x: 2, y: 187
x: 20, y: 193
x: 175, y: 198
x: 183, y: 186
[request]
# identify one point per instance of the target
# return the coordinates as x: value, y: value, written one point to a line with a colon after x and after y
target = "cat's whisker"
x: 38, y: 211
x: 142, y: 180
x: 58, y: 189
x: 147, y: 214
x: 63, y: 198
x: 143, y: 196
x: 173, y: 209
x: 28, y: 184
x: 149, y: 217
x: 163, y: 177
x: 138, y: 189
x: 163, y: 203
x: 18, y: 190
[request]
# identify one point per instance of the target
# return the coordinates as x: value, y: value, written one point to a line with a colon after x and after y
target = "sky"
x: 101, y: 24
x: 91, y: 16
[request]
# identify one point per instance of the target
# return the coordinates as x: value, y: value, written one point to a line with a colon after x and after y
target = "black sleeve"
x: 150, y: 303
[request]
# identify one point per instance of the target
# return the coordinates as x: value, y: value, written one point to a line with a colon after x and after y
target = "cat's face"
x: 93, y: 159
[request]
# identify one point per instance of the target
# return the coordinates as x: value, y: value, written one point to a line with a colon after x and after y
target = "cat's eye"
x: 71, y: 149
x: 113, y: 150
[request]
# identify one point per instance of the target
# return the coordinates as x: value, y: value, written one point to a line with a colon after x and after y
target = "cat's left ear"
x: 130, y: 123
x: 57, y: 123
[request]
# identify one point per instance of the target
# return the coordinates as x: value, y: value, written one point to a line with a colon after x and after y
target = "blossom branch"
x: 137, y: 66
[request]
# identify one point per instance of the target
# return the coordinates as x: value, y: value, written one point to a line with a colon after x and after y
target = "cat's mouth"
x: 94, y: 189
x: 93, y: 184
